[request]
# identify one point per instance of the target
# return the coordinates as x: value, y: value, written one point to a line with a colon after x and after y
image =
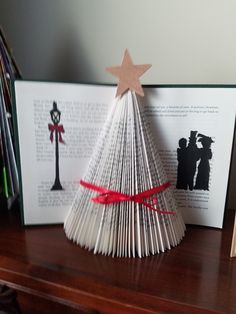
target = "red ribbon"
x: 108, y: 196
x: 56, y: 127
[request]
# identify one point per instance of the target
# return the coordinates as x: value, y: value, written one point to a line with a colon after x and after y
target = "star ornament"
x: 128, y: 75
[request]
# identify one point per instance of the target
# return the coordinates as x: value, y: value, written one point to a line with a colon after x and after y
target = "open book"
x: 193, y: 128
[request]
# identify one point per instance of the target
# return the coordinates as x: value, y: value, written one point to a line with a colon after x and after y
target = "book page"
x: 194, y: 124
x: 83, y: 110
x: 193, y: 129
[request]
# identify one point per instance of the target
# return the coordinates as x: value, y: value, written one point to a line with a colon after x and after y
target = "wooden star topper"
x: 128, y: 75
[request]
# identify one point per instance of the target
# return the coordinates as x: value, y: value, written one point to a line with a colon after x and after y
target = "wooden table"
x: 52, y: 275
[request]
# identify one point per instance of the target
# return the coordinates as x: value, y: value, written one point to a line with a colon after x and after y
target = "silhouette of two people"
x: 188, y: 154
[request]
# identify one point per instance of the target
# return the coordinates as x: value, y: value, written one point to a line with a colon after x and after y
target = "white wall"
x: 187, y: 41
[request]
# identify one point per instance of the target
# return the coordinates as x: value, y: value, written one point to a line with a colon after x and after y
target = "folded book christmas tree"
x: 124, y: 205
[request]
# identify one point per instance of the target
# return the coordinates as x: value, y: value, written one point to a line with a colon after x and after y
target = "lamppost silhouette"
x: 58, y: 129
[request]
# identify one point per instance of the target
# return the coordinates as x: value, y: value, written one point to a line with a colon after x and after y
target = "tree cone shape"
x: 125, y: 160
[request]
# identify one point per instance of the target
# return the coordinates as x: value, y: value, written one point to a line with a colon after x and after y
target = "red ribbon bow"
x: 56, y: 127
x: 108, y: 196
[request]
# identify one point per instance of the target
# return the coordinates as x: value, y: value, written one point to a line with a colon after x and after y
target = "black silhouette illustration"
x: 182, y: 173
x: 193, y: 162
x: 58, y: 129
x: 205, y: 153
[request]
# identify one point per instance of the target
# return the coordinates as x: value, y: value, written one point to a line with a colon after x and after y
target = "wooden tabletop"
x: 198, y: 276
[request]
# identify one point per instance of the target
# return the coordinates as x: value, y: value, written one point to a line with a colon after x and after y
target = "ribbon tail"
x: 61, y: 139
x: 94, y: 187
x: 154, y: 190
x: 159, y: 211
x: 51, y: 136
